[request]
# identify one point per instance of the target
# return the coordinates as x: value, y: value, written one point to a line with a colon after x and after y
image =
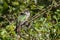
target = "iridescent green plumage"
x: 21, y: 18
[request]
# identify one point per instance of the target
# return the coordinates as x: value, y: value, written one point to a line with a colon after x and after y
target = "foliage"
x: 44, y: 19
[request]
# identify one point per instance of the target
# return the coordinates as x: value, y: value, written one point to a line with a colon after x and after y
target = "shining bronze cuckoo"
x: 21, y: 19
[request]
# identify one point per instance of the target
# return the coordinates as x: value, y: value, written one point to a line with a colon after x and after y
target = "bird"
x: 21, y: 19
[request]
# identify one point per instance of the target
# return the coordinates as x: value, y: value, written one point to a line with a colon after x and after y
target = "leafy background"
x: 44, y: 19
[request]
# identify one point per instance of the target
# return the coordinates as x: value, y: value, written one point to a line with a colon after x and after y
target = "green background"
x: 44, y: 19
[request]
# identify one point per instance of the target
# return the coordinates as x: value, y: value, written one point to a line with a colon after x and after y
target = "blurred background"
x: 44, y: 20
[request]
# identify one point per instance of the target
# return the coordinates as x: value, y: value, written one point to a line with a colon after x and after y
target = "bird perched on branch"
x: 22, y: 18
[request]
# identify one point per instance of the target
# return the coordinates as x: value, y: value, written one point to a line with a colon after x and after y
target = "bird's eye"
x: 21, y: 13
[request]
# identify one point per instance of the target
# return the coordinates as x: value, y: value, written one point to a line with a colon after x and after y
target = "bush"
x: 44, y: 19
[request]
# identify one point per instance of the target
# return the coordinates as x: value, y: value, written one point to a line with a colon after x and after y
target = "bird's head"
x: 27, y: 12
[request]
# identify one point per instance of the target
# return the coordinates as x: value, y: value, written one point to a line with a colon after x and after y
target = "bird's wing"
x: 21, y: 18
